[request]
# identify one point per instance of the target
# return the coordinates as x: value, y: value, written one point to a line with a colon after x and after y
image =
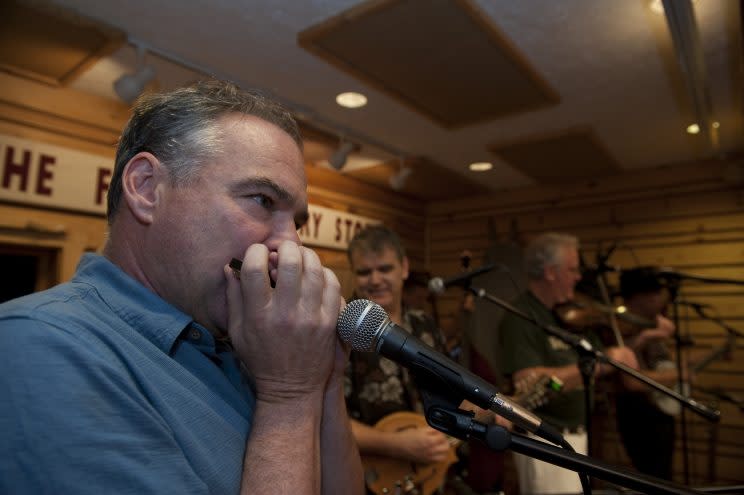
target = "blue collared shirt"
x: 107, y: 388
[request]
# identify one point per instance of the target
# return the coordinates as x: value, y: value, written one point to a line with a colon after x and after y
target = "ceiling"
x: 547, y: 91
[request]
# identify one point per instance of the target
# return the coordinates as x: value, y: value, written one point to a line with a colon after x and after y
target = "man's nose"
x: 284, y: 231
x: 375, y: 277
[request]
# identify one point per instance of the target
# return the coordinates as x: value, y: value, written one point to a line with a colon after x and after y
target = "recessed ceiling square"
x: 49, y: 45
x: 443, y: 58
x: 568, y: 156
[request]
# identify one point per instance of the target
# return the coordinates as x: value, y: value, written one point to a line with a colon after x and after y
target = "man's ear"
x: 140, y: 180
x: 549, y: 272
x: 404, y: 265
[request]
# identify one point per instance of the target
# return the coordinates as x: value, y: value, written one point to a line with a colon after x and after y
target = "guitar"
x: 387, y: 475
x: 672, y: 406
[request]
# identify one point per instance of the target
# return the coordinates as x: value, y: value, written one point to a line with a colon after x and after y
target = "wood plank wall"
x: 690, y: 218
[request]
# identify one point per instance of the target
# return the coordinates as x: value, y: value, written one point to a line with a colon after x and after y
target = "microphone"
x: 366, y: 327
x: 437, y: 285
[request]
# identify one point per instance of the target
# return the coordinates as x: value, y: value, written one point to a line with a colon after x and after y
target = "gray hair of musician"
x: 180, y: 128
x: 545, y: 250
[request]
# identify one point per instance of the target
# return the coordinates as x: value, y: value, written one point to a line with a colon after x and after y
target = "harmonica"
x: 236, y: 265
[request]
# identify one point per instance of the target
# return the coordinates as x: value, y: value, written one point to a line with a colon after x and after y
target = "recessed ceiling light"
x: 351, y: 99
x: 693, y: 129
x: 481, y: 166
x: 716, y: 125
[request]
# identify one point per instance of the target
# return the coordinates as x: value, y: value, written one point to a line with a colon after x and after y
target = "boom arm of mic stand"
x: 713, y: 415
x: 671, y: 274
x: 461, y: 425
x: 719, y: 321
x: 584, y: 347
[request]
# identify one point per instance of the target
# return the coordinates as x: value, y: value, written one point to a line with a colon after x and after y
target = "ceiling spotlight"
x: 351, y: 99
x: 129, y: 86
x: 480, y: 166
x: 338, y: 159
x: 693, y: 129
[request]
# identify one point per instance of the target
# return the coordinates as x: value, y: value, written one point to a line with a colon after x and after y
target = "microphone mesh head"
x: 436, y: 285
x: 359, y: 323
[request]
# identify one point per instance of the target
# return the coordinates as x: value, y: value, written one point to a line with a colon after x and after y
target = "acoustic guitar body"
x: 387, y: 476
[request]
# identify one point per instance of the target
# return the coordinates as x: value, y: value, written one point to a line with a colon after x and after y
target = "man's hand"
x: 424, y: 445
x: 286, y: 336
x: 664, y: 329
x: 623, y: 355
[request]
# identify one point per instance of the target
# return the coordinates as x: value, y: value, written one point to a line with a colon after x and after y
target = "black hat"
x: 640, y: 280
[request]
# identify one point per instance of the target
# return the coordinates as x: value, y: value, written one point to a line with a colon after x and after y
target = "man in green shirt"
x: 552, y: 268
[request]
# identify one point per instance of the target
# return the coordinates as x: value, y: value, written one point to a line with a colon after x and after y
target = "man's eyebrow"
x: 379, y: 268
x: 281, y: 194
x: 265, y: 183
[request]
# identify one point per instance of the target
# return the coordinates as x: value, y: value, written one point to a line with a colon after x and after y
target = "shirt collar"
x: 146, y: 312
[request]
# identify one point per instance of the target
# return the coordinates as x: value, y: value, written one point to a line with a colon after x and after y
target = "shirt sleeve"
x: 520, y: 344
x: 74, y: 422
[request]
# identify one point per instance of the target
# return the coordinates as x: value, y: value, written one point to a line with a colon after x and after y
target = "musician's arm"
x: 570, y: 374
x: 664, y: 329
x: 422, y: 444
x: 372, y: 441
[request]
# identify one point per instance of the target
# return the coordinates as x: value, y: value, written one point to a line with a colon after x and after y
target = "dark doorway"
x: 26, y: 269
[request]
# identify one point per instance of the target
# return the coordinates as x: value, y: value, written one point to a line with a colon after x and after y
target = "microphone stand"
x: 439, y: 401
x: 673, y: 285
x: 583, y: 347
x: 586, y: 365
x: 718, y: 321
x: 460, y: 424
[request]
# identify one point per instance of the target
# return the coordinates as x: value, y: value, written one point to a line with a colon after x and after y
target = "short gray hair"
x: 543, y: 251
x: 180, y: 128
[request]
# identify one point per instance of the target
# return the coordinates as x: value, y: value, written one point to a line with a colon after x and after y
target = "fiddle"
x: 585, y: 313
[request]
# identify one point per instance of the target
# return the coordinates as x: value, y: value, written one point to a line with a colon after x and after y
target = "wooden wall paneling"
x: 85, y: 109
x: 24, y: 131
x: 621, y: 212
x: 648, y: 183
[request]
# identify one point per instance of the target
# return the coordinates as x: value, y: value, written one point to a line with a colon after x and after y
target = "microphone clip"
x: 442, y: 412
